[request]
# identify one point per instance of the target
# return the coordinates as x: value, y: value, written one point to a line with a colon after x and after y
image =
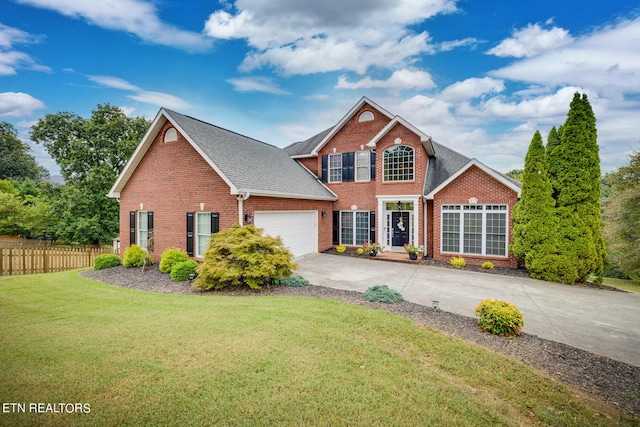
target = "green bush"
x: 458, y: 262
x: 382, y: 293
x: 341, y: 248
x: 242, y: 256
x: 183, y: 269
x: 106, y: 261
x: 499, y: 318
x: 294, y: 281
x: 135, y: 256
x: 170, y: 257
x: 488, y: 265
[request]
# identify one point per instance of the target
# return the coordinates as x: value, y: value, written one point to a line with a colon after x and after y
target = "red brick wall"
x: 474, y: 183
x: 171, y: 180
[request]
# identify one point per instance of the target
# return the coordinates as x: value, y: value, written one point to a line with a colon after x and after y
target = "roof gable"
x: 245, y: 164
x: 473, y: 162
x: 425, y: 139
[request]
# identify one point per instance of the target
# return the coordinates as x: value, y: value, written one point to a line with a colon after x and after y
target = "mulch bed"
x: 605, y: 379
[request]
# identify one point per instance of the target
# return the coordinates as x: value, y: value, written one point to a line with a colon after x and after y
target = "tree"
x: 622, y: 213
x: 535, y: 224
x: 575, y: 173
x: 91, y: 153
x: 516, y: 174
x: 15, y: 160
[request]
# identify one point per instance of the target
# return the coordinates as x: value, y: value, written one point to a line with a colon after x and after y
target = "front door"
x: 401, y: 225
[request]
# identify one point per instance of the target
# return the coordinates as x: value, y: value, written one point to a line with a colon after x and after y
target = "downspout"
x: 424, y: 226
x: 241, y: 198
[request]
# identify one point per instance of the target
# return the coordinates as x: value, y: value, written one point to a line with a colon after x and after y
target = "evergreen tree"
x: 576, y: 174
x: 535, y: 224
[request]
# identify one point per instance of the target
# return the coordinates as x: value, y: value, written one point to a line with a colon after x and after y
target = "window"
x: 335, y: 167
x: 366, y: 116
x: 170, y: 135
x: 203, y: 232
x: 354, y: 227
x: 398, y: 163
x: 363, y: 166
x: 145, y: 230
x: 477, y: 229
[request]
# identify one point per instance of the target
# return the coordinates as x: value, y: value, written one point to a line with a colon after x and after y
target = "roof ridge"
x: 221, y: 128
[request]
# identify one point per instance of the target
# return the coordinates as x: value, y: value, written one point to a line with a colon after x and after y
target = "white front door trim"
x: 382, y: 216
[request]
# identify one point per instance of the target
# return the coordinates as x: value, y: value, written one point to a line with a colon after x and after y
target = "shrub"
x: 360, y: 251
x: 241, y: 256
x: 294, y: 281
x: 488, y: 265
x: 106, y: 261
x: 181, y: 270
x: 341, y: 248
x: 458, y: 262
x: 499, y: 318
x: 382, y: 293
x: 135, y: 256
x: 170, y: 257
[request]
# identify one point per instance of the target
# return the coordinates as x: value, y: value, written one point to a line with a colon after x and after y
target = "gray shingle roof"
x: 251, y: 165
x: 441, y: 167
x: 302, y: 148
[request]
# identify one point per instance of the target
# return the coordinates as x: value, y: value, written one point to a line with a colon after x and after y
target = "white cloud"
x: 532, y: 40
x: 400, y: 80
x: 256, y: 84
x: 471, y: 88
x: 606, y: 60
x: 137, y: 17
x: 450, y: 45
x: 158, y: 99
x: 309, y: 37
x: 18, y: 104
x: 10, y: 59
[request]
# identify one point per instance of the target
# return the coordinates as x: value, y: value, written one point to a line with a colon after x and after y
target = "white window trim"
x: 484, y: 212
x: 354, y: 228
x: 329, y: 168
x: 384, y: 162
x: 357, y: 165
x: 139, y: 229
x: 197, y: 234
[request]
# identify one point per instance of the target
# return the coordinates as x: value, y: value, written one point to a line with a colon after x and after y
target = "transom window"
x: 398, y: 163
x: 474, y: 229
x: 335, y: 167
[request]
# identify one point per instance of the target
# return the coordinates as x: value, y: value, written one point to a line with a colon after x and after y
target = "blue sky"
x: 478, y: 76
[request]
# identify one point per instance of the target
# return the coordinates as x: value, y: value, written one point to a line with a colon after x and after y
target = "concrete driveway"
x: 603, y: 322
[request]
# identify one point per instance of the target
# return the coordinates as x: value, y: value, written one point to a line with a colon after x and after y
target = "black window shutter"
x: 348, y: 160
x: 150, y: 231
x: 372, y: 226
x: 336, y: 227
x: 132, y: 227
x: 325, y: 161
x: 190, y: 233
x: 373, y: 166
x: 215, y: 222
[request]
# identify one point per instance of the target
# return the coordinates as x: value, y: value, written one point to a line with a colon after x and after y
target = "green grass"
x: 151, y: 359
x: 627, y: 285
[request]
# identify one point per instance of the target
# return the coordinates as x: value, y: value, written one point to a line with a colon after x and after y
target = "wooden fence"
x: 14, y: 261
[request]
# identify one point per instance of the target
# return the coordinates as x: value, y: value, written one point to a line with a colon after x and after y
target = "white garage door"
x: 298, y: 229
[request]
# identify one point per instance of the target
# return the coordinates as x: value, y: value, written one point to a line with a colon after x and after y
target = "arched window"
x: 398, y: 163
x: 170, y: 135
x: 366, y: 116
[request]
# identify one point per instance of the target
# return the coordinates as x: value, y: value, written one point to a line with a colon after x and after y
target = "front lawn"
x: 627, y: 285
x: 141, y: 358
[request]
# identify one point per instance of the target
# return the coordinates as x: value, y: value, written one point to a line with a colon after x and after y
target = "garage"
x: 298, y: 229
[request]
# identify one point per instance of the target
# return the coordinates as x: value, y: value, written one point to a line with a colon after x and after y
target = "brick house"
x: 371, y: 177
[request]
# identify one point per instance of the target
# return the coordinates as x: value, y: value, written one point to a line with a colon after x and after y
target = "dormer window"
x: 170, y: 135
x: 398, y: 164
x: 366, y: 116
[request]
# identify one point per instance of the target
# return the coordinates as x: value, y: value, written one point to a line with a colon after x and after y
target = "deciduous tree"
x: 15, y: 160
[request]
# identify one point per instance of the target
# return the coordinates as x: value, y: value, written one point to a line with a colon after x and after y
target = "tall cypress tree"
x: 576, y: 168
x: 535, y: 224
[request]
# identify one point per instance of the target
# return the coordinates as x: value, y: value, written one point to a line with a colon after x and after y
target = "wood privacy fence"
x: 14, y: 261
